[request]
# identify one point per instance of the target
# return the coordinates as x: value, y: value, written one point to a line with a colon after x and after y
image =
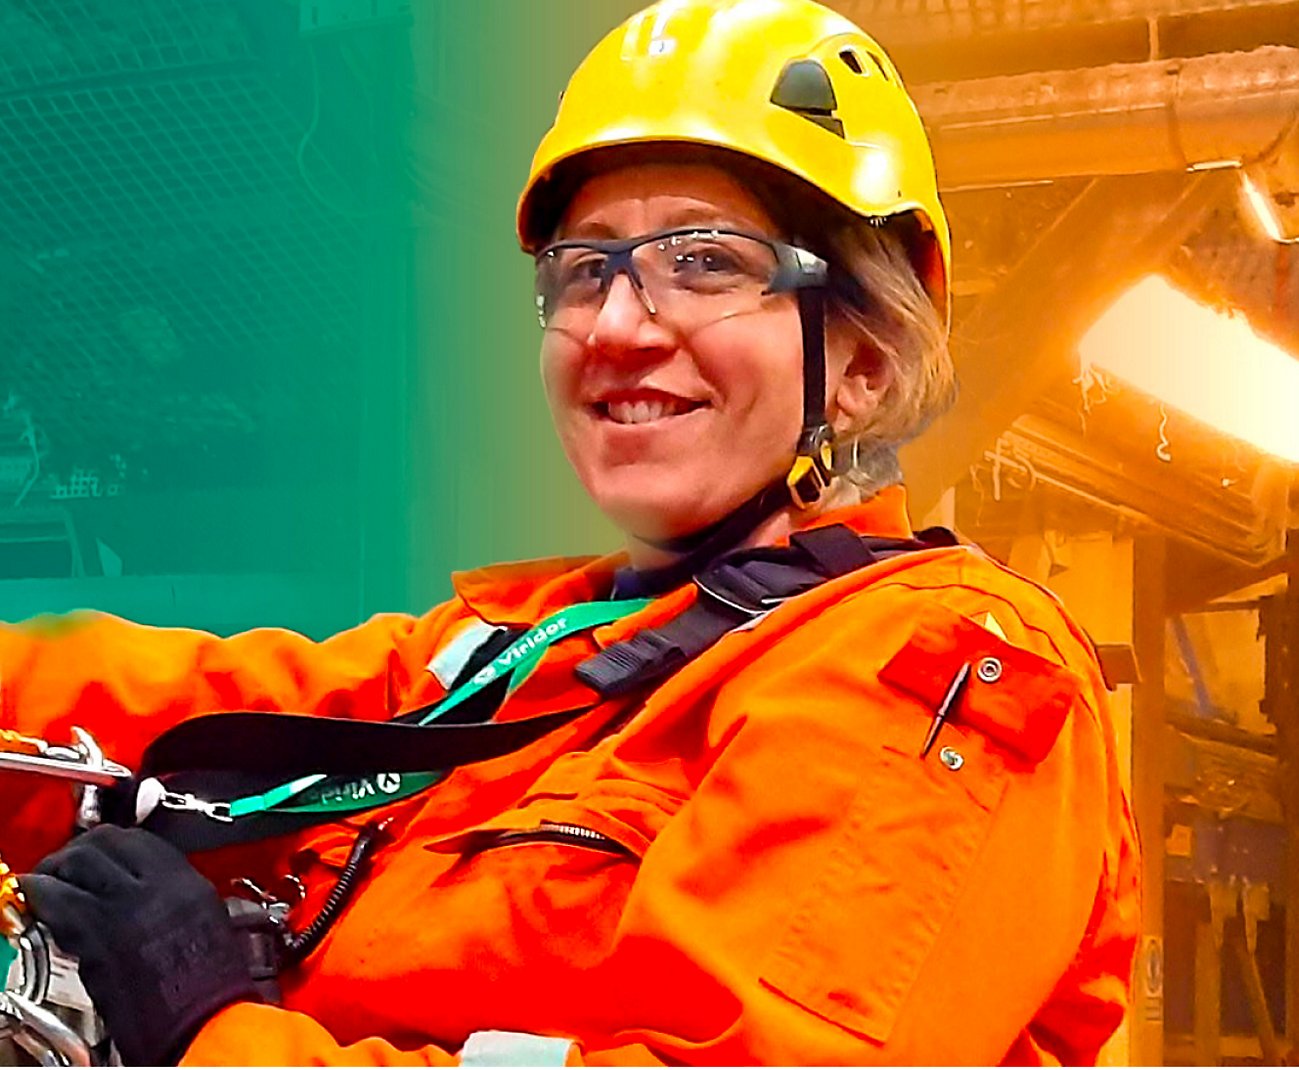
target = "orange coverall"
x: 798, y: 884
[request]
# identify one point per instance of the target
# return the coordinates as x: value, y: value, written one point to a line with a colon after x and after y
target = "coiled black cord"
x: 299, y: 945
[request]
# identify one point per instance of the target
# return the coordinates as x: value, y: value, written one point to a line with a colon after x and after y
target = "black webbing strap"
x: 291, y: 745
x: 230, y: 755
x: 811, y: 315
x: 836, y: 550
x: 296, y: 745
x: 736, y: 589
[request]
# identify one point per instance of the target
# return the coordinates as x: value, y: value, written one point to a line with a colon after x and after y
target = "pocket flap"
x: 1016, y: 698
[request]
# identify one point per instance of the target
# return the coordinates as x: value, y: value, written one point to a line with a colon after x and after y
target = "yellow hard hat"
x: 786, y: 82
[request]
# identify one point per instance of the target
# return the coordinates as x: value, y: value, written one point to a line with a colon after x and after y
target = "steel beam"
x: 919, y: 22
x: 1273, y: 1055
x: 1021, y: 337
x: 1279, y: 622
x: 1148, y: 615
x: 1118, y: 119
x: 1208, y: 996
x: 1194, y: 513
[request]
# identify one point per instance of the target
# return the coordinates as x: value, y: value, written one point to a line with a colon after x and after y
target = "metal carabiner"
x: 41, y: 1033
x: 26, y: 937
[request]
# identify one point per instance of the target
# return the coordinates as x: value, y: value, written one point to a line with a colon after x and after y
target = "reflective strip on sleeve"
x: 493, y: 1047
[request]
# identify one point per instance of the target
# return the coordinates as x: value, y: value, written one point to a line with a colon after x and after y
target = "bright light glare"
x: 1260, y: 202
x: 1210, y: 365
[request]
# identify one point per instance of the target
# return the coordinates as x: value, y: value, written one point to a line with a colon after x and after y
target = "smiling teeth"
x: 642, y: 412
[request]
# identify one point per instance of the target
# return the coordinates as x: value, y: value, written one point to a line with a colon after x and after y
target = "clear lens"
x: 689, y: 277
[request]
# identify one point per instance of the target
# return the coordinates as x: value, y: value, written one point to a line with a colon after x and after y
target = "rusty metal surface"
x: 1112, y: 120
x: 907, y: 20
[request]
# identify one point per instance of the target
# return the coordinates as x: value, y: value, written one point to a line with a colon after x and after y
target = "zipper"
x: 553, y: 832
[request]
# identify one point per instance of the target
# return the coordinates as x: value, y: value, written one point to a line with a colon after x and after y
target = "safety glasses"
x: 690, y: 276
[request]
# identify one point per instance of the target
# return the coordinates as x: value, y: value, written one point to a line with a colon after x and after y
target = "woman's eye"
x: 585, y: 271
x: 714, y: 260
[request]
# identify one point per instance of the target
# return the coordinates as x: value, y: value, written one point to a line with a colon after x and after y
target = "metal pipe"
x: 1123, y: 119
x: 1256, y: 994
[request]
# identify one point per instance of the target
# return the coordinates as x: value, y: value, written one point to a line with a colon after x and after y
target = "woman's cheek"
x: 560, y: 380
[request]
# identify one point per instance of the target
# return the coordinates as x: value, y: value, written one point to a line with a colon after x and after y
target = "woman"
x: 825, y: 792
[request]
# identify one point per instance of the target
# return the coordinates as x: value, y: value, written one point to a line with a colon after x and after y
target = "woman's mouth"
x: 644, y: 410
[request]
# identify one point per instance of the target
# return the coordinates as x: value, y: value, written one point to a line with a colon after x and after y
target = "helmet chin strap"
x: 814, y: 463
x: 806, y: 483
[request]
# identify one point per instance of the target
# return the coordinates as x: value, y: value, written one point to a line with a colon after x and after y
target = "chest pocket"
x: 550, y: 878
x: 909, y: 844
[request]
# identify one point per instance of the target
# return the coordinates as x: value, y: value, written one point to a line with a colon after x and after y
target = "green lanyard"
x: 318, y: 793
x: 7, y: 955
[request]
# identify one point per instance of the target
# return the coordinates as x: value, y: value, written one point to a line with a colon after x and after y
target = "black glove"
x: 158, y: 953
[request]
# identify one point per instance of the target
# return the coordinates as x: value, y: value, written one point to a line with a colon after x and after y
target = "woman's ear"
x: 860, y: 388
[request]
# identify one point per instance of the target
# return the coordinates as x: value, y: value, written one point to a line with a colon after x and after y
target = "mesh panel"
x: 1228, y: 264
x: 177, y: 294
x: 51, y: 42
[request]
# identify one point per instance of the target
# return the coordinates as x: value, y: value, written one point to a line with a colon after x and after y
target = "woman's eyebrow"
x: 595, y: 229
x: 708, y: 218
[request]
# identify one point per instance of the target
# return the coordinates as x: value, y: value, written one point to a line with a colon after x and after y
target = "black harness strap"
x: 736, y: 589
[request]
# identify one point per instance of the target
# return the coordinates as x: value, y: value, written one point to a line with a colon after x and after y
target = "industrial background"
x: 267, y: 356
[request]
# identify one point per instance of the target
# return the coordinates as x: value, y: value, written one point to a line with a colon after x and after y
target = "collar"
x: 523, y: 593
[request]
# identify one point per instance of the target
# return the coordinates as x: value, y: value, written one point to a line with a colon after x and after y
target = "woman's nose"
x: 626, y: 319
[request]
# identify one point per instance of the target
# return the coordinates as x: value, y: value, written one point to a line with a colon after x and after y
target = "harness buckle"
x: 813, y: 469
x: 712, y: 583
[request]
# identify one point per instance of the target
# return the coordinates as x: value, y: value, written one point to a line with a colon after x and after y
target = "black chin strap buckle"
x: 813, y: 468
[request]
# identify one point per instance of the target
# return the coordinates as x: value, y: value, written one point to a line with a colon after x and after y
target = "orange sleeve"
x: 248, y: 1034
x: 251, y: 1034
x: 1088, y: 1004
x: 125, y: 683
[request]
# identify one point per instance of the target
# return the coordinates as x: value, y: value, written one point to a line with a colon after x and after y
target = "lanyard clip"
x: 185, y: 803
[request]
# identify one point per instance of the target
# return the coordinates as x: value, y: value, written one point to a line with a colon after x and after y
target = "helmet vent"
x: 879, y: 63
x: 851, y: 61
x: 804, y: 87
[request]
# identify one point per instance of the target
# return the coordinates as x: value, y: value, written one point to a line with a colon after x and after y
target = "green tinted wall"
x: 490, y: 482
x: 267, y: 352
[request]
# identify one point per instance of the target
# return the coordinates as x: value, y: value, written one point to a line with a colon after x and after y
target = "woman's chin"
x: 669, y: 514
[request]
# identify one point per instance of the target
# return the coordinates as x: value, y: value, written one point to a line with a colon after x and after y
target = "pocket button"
x: 952, y: 758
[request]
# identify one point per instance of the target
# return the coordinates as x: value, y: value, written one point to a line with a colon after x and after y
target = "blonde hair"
x: 886, y: 307
x: 877, y: 294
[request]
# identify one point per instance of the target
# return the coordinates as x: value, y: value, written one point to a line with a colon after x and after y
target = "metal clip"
x: 23, y: 1019
x: 89, y: 810
x: 82, y: 763
x: 42, y: 1034
x: 278, y: 908
x: 174, y: 800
